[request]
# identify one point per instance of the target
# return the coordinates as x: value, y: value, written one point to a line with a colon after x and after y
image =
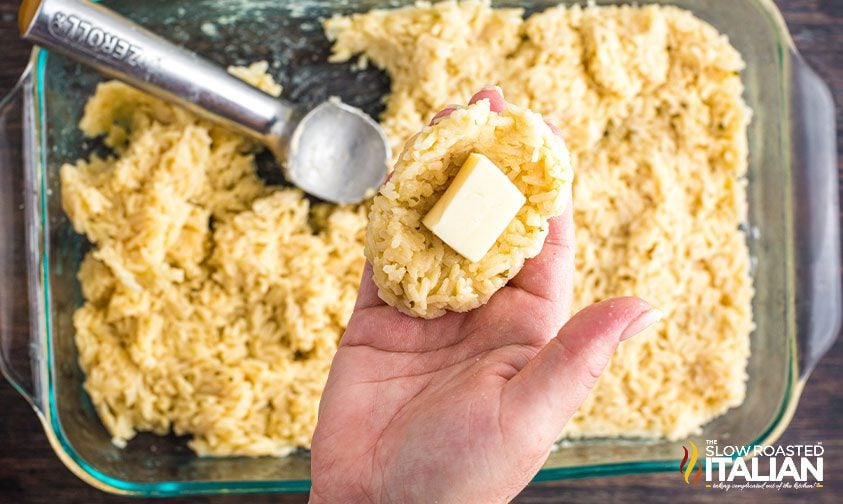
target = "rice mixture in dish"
x: 214, y: 303
x: 649, y: 103
x: 414, y: 269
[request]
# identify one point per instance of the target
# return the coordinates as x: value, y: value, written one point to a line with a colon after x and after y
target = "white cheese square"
x: 475, y: 209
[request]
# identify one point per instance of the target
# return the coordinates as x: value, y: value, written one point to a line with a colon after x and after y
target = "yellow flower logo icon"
x: 689, y: 460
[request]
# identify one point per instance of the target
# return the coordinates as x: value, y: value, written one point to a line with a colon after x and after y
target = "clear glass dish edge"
x: 43, y: 402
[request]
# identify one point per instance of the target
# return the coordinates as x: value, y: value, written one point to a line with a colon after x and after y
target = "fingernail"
x: 497, y: 103
x: 445, y: 112
x: 642, y: 322
x: 493, y: 87
x: 555, y: 129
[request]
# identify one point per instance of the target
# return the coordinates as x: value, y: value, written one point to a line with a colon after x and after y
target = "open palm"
x: 465, y: 407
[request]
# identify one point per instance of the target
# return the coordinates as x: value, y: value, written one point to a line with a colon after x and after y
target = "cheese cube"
x: 475, y: 209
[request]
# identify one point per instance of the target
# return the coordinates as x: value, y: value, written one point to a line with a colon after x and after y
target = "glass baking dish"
x: 793, y: 237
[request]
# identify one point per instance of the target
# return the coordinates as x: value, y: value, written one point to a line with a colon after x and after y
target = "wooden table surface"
x: 31, y: 473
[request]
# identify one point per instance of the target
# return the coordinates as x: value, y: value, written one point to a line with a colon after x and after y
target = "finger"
x: 445, y: 112
x: 367, y: 296
x: 495, y: 96
x: 385, y: 328
x: 550, y: 274
x: 549, y: 389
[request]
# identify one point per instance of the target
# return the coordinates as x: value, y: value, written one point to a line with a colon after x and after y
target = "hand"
x: 465, y: 407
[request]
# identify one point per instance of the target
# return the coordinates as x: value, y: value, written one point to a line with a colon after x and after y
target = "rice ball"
x: 418, y: 273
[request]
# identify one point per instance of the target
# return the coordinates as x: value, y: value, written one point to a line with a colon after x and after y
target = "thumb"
x: 541, y: 398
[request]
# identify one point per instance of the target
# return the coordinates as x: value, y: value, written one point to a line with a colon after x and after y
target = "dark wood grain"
x: 31, y: 473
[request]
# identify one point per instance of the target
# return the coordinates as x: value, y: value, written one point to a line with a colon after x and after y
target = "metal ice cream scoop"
x: 333, y: 151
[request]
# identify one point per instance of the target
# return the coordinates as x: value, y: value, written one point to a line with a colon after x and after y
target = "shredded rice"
x: 213, y: 303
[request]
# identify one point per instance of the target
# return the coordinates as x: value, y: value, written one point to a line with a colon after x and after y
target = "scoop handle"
x: 119, y: 48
